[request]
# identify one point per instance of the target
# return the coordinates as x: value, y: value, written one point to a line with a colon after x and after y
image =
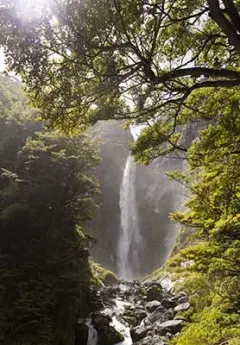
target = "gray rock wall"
x: 156, y: 197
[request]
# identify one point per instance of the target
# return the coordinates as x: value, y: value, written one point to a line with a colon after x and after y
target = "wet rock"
x: 169, y: 335
x: 181, y: 297
x: 139, y: 332
x: 146, y: 322
x: 168, y: 303
x: 182, y: 307
x: 151, y: 306
x: 139, y: 303
x: 161, y: 314
x: 133, y: 316
x: 100, y: 320
x: 179, y: 317
x: 110, y: 291
x: 136, y: 283
x: 107, y: 334
x: 159, y: 317
x: 166, y: 283
x: 154, y: 292
x: 149, y: 310
x: 108, y: 294
x: 81, y: 334
x: 172, y: 326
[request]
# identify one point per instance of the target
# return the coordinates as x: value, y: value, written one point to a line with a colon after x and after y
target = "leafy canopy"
x: 209, y: 257
x: 151, y: 62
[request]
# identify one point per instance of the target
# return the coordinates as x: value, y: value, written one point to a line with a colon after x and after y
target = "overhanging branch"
x: 197, y: 72
x: 222, y: 21
x: 231, y: 10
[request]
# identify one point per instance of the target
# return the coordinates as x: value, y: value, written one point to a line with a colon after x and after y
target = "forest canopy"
x: 162, y: 64
x: 156, y: 63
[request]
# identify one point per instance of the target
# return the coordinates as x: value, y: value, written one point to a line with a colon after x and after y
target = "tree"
x: 47, y: 189
x: 211, y: 253
x: 152, y: 62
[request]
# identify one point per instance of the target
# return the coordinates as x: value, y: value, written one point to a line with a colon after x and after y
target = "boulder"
x: 181, y: 297
x: 172, y: 327
x: 107, y: 334
x: 139, y: 332
x: 168, y: 303
x: 182, y: 307
x: 110, y: 279
x: 134, y: 316
x: 151, y: 306
x: 110, y: 291
x: 179, y: 317
x: 161, y: 314
x: 99, y: 320
x: 154, y: 292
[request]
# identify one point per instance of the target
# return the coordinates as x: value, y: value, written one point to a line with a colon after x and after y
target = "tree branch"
x: 215, y: 83
x: 197, y: 72
x: 232, y: 12
x: 227, y: 27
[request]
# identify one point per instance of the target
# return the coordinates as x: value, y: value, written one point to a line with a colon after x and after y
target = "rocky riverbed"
x: 133, y: 313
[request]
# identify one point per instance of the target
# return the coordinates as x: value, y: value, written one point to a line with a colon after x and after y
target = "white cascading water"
x: 92, y: 334
x: 130, y: 238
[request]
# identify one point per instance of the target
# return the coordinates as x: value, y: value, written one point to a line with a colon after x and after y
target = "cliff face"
x: 156, y: 196
x: 113, y: 142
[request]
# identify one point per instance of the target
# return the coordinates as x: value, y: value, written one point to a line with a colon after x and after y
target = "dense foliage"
x: 209, y: 261
x: 163, y: 64
x: 146, y: 61
x: 46, y: 190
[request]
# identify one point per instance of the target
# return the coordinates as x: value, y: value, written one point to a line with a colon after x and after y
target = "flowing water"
x: 119, y: 326
x: 92, y: 334
x: 129, y: 243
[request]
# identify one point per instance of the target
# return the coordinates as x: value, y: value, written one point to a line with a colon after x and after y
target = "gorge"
x: 95, y: 249
x: 44, y: 253
x: 135, y: 202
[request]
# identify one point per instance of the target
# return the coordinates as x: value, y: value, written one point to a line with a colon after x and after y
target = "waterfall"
x: 92, y: 334
x: 128, y: 261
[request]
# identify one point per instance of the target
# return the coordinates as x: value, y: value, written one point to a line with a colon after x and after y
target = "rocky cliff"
x: 156, y: 196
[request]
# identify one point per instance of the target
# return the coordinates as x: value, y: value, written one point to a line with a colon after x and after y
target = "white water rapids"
x: 128, y: 263
x: 92, y: 334
x: 119, y: 326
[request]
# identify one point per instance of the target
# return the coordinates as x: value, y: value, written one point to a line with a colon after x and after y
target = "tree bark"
x: 227, y: 27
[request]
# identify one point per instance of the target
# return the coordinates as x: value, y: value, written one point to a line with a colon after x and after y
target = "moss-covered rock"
x: 154, y: 292
x: 103, y: 276
x: 109, y: 336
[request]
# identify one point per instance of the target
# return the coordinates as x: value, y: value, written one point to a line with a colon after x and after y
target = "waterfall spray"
x: 130, y: 238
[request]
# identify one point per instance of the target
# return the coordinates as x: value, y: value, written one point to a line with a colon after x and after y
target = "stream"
x: 136, y: 313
